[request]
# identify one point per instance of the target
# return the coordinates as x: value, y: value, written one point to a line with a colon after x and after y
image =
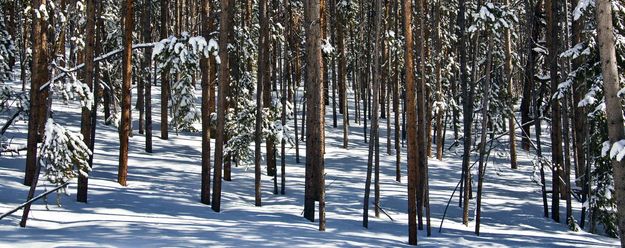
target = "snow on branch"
x: 64, y: 154
x: 65, y: 71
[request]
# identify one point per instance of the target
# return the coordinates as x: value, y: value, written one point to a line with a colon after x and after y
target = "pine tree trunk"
x: 86, y: 123
x: 225, y: 37
x: 410, y: 109
x: 467, y: 110
x: 533, y: 12
x: 206, y: 85
x: 342, y: 77
x: 439, y: 84
x: 124, y: 130
x: 262, y: 68
x: 39, y: 76
x: 552, y: 9
x: 164, y: 75
x: 147, y: 36
x: 314, y: 188
x: 579, y: 113
x: 508, y: 78
x: 482, y: 146
x: 614, y: 108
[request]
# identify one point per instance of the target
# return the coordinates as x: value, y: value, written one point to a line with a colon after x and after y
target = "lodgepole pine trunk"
x: 410, y: 109
x: 614, y: 108
x: 86, y: 122
x: 124, y: 130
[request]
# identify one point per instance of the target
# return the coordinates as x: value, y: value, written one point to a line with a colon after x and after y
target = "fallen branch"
x: 381, y: 209
x: 33, y: 200
x: 10, y: 121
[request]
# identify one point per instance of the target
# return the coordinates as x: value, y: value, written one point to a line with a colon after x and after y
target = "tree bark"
x: 225, y: 36
x: 508, y: 78
x: 614, y: 108
x: 552, y: 9
x: 86, y: 123
x: 263, y: 42
x: 413, y: 145
x: 164, y: 75
x: 206, y: 86
x: 39, y: 76
x: 314, y: 118
x: 124, y: 129
x: 147, y: 37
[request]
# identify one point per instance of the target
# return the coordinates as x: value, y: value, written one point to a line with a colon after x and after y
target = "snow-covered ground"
x: 160, y: 206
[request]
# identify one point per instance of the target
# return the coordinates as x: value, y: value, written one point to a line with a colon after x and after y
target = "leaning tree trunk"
x: 614, y: 108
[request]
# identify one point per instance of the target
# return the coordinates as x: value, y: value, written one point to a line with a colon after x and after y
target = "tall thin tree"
x: 225, y: 36
x: 410, y: 109
x: 124, y: 129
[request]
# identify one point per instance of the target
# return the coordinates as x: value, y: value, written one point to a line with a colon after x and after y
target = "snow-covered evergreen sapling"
x: 7, y: 51
x: 63, y: 155
x: 182, y: 55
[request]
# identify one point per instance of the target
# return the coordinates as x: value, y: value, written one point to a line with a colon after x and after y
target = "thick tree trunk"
x: 614, y: 108
x: 314, y: 119
x: 39, y: 76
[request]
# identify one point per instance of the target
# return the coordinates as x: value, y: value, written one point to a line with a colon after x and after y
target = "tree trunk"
x: 482, y: 146
x: 39, y: 76
x: 508, y: 78
x: 314, y: 119
x: 225, y: 37
x: 206, y: 85
x: 413, y: 145
x: 164, y: 75
x: 85, y: 127
x: 467, y: 110
x: 147, y: 37
x: 263, y: 42
x: 614, y: 108
x: 552, y: 9
x: 124, y: 129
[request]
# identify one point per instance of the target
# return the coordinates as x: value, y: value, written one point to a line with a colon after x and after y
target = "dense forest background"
x: 499, y: 80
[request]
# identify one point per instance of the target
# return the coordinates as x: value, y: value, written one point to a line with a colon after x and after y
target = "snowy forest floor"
x: 161, y: 205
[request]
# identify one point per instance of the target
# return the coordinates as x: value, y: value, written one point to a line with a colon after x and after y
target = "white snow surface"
x: 161, y: 204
